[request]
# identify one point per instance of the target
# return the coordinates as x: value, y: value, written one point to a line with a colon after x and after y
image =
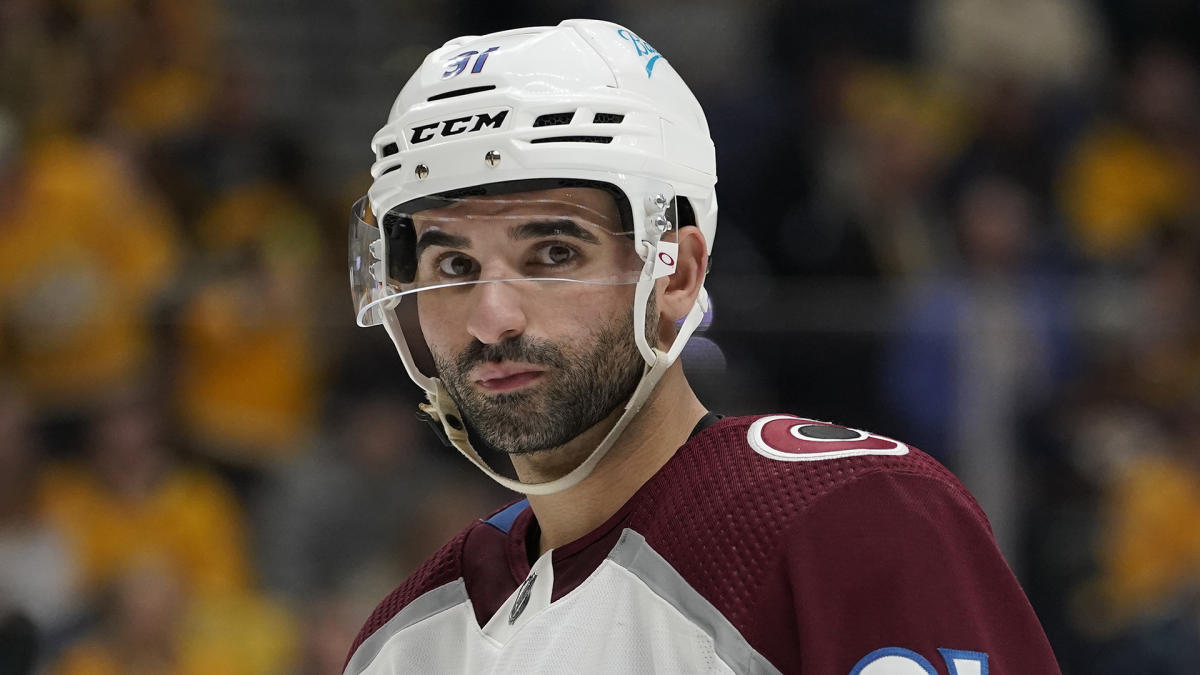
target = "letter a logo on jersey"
x: 795, y: 439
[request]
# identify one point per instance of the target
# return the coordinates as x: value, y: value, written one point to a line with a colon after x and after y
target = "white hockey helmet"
x: 583, y: 103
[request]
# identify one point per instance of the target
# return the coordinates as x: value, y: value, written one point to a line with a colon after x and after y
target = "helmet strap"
x: 442, y: 410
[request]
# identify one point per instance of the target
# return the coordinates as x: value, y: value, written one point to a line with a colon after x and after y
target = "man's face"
x: 531, y: 364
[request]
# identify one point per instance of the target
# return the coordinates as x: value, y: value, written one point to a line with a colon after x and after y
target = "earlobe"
x: 684, y: 285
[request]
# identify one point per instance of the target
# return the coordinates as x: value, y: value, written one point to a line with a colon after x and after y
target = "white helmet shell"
x: 584, y: 99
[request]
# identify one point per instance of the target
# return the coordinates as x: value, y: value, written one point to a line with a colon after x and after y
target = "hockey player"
x: 535, y: 243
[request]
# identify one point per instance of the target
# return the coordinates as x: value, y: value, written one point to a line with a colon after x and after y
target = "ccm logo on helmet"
x: 456, y: 126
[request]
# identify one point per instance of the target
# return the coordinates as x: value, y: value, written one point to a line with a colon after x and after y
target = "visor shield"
x: 556, y: 237
x: 368, y: 281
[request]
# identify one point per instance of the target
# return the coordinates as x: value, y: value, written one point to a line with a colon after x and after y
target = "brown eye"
x: 553, y: 255
x: 456, y: 266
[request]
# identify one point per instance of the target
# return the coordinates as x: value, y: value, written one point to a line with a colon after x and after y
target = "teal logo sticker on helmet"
x: 643, y: 49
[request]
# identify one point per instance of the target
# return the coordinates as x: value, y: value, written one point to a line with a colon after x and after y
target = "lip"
x: 501, y: 378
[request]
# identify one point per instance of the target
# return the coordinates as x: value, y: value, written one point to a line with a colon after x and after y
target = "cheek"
x: 583, y: 308
x: 550, y: 313
x: 439, y: 333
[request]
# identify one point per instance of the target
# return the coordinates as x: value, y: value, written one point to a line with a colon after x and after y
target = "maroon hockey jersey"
x: 766, y: 544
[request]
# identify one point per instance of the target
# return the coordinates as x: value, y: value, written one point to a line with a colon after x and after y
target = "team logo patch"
x: 795, y: 439
x: 522, y: 600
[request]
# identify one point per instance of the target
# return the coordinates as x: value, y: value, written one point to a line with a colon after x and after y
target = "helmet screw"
x: 492, y: 158
x: 659, y: 201
x: 422, y: 171
x: 661, y: 224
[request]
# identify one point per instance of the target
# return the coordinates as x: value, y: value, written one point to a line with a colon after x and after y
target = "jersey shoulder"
x: 725, y: 511
x: 754, y: 478
x: 801, y: 456
x: 443, y: 567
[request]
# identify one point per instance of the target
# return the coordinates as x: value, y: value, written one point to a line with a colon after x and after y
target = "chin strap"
x: 441, y: 408
x: 442, y: 411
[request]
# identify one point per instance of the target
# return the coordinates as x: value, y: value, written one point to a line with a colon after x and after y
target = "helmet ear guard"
x: 619, y: 118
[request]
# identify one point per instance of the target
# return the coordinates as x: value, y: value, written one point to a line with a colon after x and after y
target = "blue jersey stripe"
x: 503, y: 521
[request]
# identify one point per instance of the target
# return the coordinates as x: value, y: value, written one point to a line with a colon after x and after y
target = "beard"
x: 583, y: 384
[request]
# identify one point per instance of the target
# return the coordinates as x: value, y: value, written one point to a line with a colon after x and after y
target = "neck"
x: 650, y: 440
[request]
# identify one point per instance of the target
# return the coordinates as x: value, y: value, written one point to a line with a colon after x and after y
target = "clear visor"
x: 555, y: 237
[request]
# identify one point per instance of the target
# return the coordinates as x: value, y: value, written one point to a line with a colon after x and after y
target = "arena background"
x: 970, y: 224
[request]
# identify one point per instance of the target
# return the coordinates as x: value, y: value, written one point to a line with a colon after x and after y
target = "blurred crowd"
x: 970, y: 224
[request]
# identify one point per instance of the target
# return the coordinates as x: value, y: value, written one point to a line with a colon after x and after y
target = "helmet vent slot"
x: 553, y: 119
x: 573, y: 139
x: 390, y: 169
x: 389, y: 149
x: 607, y: 118
x: 461, y: 92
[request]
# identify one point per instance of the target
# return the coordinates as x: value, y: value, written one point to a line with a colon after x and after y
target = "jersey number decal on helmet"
x: 795, y: 439
x: 460, y: 62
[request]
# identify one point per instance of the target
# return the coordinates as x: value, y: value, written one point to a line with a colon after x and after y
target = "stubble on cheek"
x: 582, y: 385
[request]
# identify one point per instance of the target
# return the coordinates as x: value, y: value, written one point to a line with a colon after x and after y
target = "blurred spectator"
x: 38, y: 574
x: 1025, y: 72
x: 230, y: 145
x: 353, y: 501
x: 131, y: 502
x: 1135, y: 607
x: 874, y: 213
x: 1130, y: 428
x: 248, y: 366
x: 150, y: 624
x: 1148, y: 563
x: 85, y: 252
x: 1165, y: 340
x: 165, y: 544
x: 1134, y: 172
x: 49, y: 71
x: 1046, y: 43
x: 168, y: 62
x: 141, y: 632
x: 1017, y: 129
x: 980, y: 350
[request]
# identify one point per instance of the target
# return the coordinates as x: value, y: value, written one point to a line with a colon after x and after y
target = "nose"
x: 497, y: 314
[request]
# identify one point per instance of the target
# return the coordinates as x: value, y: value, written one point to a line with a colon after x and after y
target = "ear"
x: 679, y: 291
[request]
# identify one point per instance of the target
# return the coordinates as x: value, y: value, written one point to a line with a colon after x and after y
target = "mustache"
x: 520, y: 348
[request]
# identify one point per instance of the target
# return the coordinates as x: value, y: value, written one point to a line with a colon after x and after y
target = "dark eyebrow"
x: 439, y: 238
x: 532, y: 230
x: 552, y: 228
